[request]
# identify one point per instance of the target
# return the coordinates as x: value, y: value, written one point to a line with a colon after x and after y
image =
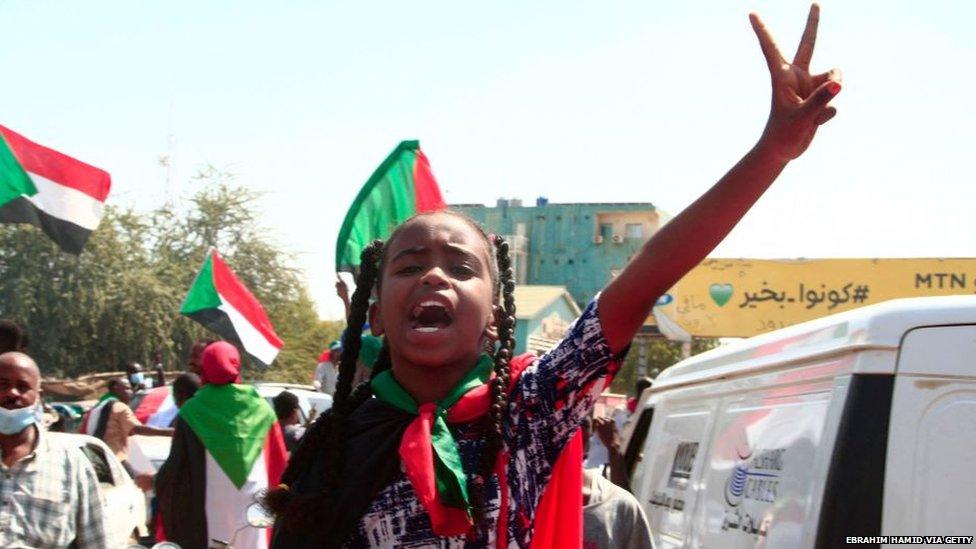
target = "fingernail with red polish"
x: 833, y: 88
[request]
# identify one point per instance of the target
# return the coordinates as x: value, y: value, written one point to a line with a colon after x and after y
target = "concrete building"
x: 579, y: 246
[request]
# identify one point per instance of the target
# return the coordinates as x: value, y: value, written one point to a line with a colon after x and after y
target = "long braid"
x: 358, y: 311
x: 351, y: 343
x: 499, y: 384
x: 327, y: 435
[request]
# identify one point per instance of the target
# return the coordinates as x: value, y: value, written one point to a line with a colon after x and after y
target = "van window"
x: 633, y: 452
x: 854, y: 488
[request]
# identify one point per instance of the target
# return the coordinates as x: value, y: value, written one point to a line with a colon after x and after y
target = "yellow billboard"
x: 745, y: 297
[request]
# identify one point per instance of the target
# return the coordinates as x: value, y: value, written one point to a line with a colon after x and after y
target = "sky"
x: 610, y: 101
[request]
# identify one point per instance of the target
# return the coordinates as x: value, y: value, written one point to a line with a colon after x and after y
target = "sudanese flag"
x: 221, y: 302
x: 157, y: 408
x: 62, y: 196
x: 401, y: 186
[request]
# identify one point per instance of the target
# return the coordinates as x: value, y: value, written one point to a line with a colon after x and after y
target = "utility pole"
x: 168, y: 161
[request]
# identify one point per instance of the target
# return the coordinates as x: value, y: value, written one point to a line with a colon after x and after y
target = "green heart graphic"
x: 721, y: 293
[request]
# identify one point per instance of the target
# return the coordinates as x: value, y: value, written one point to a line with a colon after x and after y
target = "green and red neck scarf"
x: 428, y: 450
x: 432, y: 461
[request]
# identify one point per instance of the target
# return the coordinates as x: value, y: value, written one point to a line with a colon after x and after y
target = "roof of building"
x: 531, y: 300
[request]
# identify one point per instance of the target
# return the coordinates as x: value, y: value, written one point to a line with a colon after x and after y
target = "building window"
x: 634, y: 230
x: 606, y: 230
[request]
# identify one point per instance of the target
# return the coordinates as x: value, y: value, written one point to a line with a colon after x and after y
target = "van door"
x: 762, y: 466
x: 930, y: 478
x: 666, y: 480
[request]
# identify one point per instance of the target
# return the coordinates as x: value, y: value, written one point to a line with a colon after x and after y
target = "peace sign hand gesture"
x: 800, y: 102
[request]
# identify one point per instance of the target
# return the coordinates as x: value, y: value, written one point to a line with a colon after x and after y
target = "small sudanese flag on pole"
x: 220, y: 302
x: 62, y: 196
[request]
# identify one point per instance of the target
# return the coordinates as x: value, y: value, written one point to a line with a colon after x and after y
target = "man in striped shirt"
x: 49, y: 493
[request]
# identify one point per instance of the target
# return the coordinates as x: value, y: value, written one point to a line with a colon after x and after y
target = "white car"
x: 125, y: 503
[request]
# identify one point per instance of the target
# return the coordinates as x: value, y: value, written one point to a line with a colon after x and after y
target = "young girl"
x: 454, y: 440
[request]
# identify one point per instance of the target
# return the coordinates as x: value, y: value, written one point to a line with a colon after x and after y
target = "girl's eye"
x: 408, y: 270
x: 462, y: 270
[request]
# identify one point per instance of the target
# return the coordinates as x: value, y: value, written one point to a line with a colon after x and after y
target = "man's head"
x: 120, y: 389
x: 12, y: 336
x: 135, y: 375
x: 184, y: 387
x: 194, y: 365
x: 20, y: 381
x: 286, y: 408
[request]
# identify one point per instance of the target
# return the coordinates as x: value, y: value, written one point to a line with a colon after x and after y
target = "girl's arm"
x: 800, y: 103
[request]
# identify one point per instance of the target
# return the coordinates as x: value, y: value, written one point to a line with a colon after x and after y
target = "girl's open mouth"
x: 430, y: 316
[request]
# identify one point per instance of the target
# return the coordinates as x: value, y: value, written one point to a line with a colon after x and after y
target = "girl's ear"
x: 375, y: 324
x: 491, y: 330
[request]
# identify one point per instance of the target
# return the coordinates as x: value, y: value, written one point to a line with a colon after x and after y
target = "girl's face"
x: 435, y: 303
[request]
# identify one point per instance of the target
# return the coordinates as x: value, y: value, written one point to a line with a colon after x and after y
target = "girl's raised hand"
x: 800, y: 100
x: 800, y: 104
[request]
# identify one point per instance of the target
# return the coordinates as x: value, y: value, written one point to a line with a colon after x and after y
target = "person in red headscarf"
x: 227, y: 448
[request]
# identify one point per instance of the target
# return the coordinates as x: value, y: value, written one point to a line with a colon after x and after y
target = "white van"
x: 855, y: 426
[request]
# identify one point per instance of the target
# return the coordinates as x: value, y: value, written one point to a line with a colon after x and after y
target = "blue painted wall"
x: 561, y: 247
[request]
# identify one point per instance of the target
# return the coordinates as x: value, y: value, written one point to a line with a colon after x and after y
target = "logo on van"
x: 736, y: 485
x: 682, y: 466
x: 755, y: 478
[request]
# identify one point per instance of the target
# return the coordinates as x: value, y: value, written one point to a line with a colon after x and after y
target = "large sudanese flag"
x: 243, y: 452
x: 221, y: 302
x: 62, y: 196
x: 401, y: 186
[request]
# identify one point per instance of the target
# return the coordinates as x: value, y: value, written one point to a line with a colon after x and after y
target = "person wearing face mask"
x: 49, y: 493
x: 136, y: 377
x: 113, y: 421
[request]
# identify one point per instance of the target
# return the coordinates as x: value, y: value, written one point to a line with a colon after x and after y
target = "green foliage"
x: 661, y: 354
x: 119, y: 300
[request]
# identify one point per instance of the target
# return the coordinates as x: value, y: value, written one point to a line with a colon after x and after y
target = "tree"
x: 661, y: 354
x: 119, y: 300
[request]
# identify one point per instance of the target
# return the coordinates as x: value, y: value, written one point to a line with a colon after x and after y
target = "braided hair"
x: 303, y: 512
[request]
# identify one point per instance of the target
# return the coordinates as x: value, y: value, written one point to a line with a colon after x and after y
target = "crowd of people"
x: 192, y: 482
x: 439, y: 434
x: 219, y: 424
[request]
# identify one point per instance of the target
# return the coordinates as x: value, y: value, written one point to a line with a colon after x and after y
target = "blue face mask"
x: 15, y: 421
x: 136, y: 378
